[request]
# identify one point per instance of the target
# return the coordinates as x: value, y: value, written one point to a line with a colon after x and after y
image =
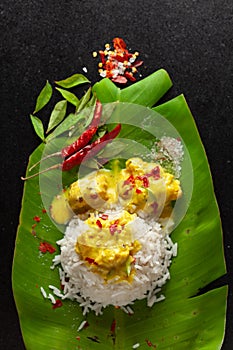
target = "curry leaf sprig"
x: 59, y: 112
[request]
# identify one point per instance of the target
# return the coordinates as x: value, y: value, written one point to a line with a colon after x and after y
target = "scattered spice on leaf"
x: 118, y: 63
x: 45, y: 247
x: 113, y: 326
x: 57, y: 304
x: 44, y: 211
x: 150, y: 344
x: 37, y: 218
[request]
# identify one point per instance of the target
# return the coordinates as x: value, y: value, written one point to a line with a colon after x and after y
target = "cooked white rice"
x: 152, y: 263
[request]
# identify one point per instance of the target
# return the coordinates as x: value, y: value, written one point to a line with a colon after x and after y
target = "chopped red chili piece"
x: 98, y: 223
x: 57, y: 304
x: 156, y: 173
x: 104, y: 216
x: 113, y: 229
x: 138, y: 191
x: 118, y: 64
x: 33, y: 226
x: 78, y: 338
x: 130, y: 180
x: 44, y: 211
x: 150, y: 344
x: 91, y: 261
x: 45, y: 247
x: 37, y: 218
x: 113, y: 326
x: 144, y: 180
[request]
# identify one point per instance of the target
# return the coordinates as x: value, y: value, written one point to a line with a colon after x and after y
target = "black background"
x: 51, y: 40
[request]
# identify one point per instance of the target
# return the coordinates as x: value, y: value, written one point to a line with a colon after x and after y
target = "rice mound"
x: 152, y: 263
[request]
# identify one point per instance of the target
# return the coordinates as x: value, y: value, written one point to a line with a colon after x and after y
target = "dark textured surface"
x: 192, y: 40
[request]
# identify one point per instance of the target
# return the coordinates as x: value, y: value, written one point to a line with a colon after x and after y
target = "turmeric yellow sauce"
x: 108, y: 247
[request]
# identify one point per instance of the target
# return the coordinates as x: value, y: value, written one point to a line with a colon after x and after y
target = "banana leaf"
x: 187, y: 318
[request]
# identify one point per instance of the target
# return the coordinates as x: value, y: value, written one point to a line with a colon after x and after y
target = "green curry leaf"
x: 43, y: 97
x: 69, y: 96
x: 57, y: 114
x: 84, y: 100
x: 38, y: 127
x: 74, y: 80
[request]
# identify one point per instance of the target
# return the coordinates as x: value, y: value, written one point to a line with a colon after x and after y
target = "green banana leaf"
x: 186, y: 319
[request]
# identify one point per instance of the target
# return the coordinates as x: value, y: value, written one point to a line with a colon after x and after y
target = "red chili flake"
x: 33, y: 226
x: 37, y: 218
x: 120, y: 80
x: 138, y: 191
x: 150, y: 344
x: 129, y: 75
x: 104, y: 216
x: 78, y: 338
x: 44, y: 211
x: 156, y: 173
x: 113, y: 229
x: 144, y: 180
x: 57, y: 304
x: 91, y: 261
x: 46, y: 247
x: 118, y: 63
x: 113, y: 326
x: 130, y: 180
x: 98, y: 223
